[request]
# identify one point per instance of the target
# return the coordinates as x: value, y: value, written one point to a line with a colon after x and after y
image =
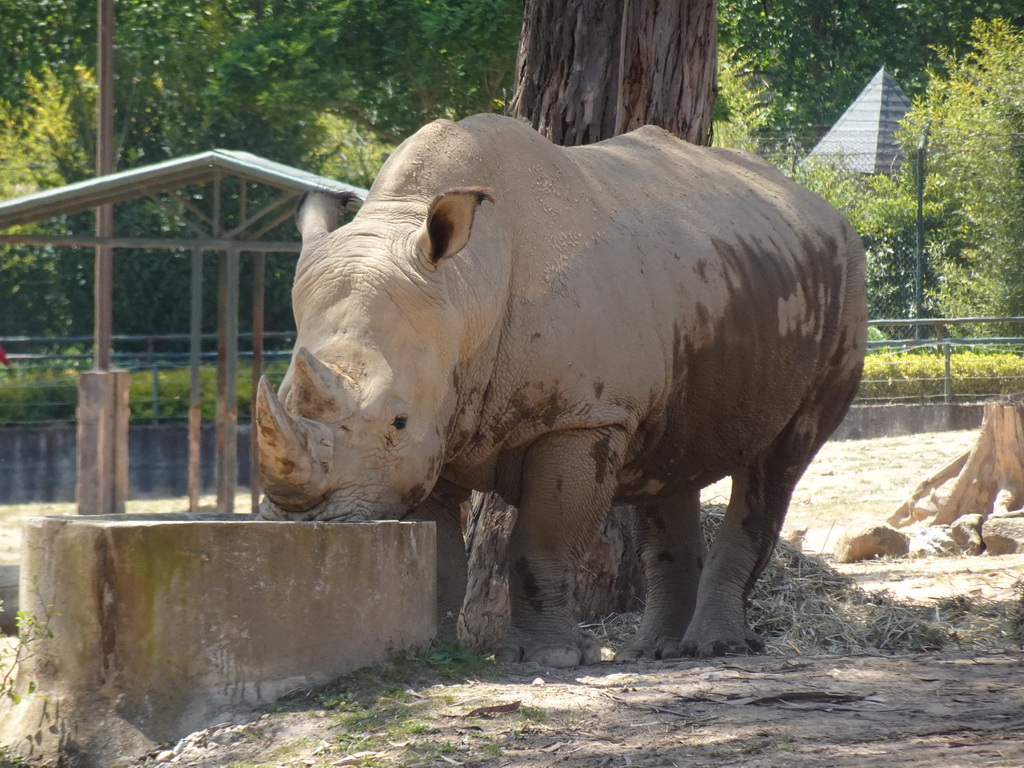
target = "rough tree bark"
x: 591, y: 69
x: 988, y: 480
x: 611, y: 581
x: 588, y: 70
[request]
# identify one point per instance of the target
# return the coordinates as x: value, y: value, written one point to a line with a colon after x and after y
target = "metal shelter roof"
x: 864, y: 137
x: 164, y: 177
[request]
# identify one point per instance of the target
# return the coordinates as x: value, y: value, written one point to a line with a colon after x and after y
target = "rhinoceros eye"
x: 400, y: 422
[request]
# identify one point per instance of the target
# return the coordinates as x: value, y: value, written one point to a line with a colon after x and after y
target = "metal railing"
x: 936, y: 335
x: 44, y: 372
x: 918, y: 360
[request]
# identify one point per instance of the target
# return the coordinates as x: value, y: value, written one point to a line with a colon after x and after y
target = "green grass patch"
x: 388, y: 707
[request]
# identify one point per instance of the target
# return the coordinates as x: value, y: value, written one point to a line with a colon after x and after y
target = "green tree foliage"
x: 976, y: 172
x: 814, y: 56
x: 740, y: 105
x: 327, y: 85
x: 973, y: 212
x: 39, y: 147
x: 387, y: 66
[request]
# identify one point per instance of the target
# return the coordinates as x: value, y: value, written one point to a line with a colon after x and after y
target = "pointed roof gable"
x: 864, y: 137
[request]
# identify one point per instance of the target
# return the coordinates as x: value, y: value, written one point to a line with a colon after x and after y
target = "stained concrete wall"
x: 37, y: 464
x: 867, y: 421
x: 160, y: 623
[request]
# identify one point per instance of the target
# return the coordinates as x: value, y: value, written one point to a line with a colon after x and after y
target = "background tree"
x: 976, y: 172
x: 328, y: 85
x: 814, y: 56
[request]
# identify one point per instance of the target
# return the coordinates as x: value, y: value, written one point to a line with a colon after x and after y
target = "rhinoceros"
x: 570, y: 327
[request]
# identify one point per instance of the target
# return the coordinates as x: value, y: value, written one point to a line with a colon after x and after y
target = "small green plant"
x: 31, y: 630
x: 10, y: 760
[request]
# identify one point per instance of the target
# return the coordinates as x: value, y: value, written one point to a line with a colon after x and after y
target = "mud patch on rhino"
x: 602, y: 454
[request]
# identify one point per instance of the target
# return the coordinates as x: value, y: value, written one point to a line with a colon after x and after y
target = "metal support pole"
x: 922, y: 151
x: 195, y: 419
x: 104, y: 275
x: 259, y: 268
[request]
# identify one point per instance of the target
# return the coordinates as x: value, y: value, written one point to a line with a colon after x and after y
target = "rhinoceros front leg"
x: 568, y: 481
x: 443, y: 507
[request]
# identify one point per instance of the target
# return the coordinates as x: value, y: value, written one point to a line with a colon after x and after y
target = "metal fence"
x: 948, y: 360
x: 41, y: 384
x: 909, y: 361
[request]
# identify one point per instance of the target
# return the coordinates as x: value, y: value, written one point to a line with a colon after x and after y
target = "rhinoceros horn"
x: 319, y: 392
x: 291, y: 467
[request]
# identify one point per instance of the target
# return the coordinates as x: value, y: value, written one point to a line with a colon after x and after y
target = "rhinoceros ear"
x: 449, y: 222
x: 317, y: 212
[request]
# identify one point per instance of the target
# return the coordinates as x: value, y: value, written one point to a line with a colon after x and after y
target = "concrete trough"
x: 163, y: 623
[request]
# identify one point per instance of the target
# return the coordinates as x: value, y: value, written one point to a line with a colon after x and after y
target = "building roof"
x: 164, y: 177
x: 864, y: 138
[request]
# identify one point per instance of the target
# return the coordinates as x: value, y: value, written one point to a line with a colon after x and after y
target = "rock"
x: 865, y: 540
x: 966, y: 532
x: 1003, y: 535
x: 933, y: 541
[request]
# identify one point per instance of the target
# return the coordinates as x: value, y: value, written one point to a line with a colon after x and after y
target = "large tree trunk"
x: 591, y: 69
x: 668, y: 67
x: 610, y: 582
x: 567, y: 71
x: 588, y: 70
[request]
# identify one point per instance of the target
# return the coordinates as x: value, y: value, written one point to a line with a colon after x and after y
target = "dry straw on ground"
x: 802, y: 605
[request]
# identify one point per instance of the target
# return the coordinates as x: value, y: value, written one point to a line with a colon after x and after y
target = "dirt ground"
x: 959, y: 706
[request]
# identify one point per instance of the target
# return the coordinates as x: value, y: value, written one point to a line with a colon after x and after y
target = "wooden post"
x: 101, y: 479
x: 101, y: 486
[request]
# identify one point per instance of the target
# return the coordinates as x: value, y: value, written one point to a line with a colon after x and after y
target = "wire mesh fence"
x: 943, y: 360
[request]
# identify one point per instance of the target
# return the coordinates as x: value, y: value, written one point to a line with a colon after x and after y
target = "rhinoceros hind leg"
x: 670, y: 544
x: 751, y: 644
x: 743, y: 545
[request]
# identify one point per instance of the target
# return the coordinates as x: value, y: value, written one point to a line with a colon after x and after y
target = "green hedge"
x: 918, y: 376
x: 51, y: 395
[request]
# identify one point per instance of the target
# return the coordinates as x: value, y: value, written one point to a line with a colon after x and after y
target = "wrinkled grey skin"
x: 628, y: 321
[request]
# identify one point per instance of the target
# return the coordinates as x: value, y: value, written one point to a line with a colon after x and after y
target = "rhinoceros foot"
x: 578, y: 650
x: 650, y: 648
x: 744, y: 644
